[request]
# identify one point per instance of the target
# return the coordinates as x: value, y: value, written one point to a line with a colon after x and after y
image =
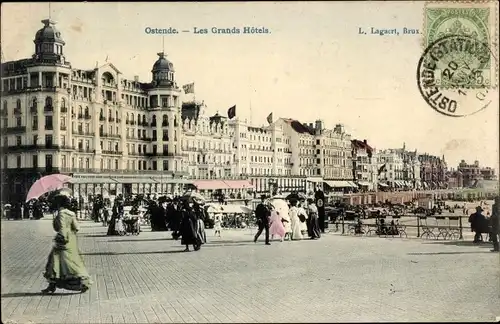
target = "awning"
x: 364, y: 183
x: 352, y: 184
x: 135, y: 180
x: 315, y: 179
x: 91, y: 180
x: 239, y: 184
x: 338, y: 184
x: 173, y: 181
x: 210, y: 184
x: 383, y: 184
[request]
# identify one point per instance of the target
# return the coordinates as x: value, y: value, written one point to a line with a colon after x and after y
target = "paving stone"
x: 143, y: 279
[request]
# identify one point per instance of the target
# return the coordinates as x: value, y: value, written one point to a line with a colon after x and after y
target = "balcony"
x: 63, y: 127
x: 49, y: 127
x: 112, y: 152
x: 85, y: 150
x: 15, y: 130
x: 102, y: 118
x: 164, y: 124
x: 87, y: 117
x: 153, y: 124
x: 48, y: 109
x: 17, y: 111
x: 111, y: 119
x: 102, y: 134
x: 80, y: 116
x: 126, y: 122
x: 132, y: 122
x: 165, y: 138
x: 118, y: 120
x: 63, y: 109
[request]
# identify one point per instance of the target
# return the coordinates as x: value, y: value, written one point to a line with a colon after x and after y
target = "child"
x: 217, y: 224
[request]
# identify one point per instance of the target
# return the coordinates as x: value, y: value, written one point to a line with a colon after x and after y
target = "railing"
x: 87, y: 117
x: 63, y: 109
x: 447, y: 227
x: 15, y: 130
x: 49, y: 127
x: 62, y: 127
x: 17, y: 111
x: 102, y: 118
x: 48, y: 109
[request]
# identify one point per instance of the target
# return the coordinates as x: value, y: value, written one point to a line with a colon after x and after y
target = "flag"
x: 107, y: 57
x: 231, y: 112
x: 382, y: 169
x: 270, y: 118
x: 188, y: 88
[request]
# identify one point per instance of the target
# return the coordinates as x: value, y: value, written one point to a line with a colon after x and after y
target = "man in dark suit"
x: 319, y: 196
x: 262, y: 213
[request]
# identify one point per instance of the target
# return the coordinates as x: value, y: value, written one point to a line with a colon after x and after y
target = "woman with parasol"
x: 65, y: 268
x: 188, y: 227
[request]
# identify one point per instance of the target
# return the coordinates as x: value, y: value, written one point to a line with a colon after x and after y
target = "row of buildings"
x: 114, y: 134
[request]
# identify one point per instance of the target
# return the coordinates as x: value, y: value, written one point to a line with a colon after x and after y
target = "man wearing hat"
x: 262, y: 213
x: 495, y: 223
x: 477, y: 224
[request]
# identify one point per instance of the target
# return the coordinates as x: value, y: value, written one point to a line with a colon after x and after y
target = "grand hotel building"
x: 118, y: 135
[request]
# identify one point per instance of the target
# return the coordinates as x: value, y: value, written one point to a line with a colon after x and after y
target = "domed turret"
x: 163, y: 71
x: 49, y: 43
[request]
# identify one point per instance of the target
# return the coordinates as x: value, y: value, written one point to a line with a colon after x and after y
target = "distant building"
x: 474, y: 172
x: 364, y: 165
x: 454, y: 179
x: 399, y: 169
x: 433, y: 171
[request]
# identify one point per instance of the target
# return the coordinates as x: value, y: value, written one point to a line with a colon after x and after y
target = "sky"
x: 312, y: 64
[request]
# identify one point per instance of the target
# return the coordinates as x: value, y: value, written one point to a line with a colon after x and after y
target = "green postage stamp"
x: 477, y: 23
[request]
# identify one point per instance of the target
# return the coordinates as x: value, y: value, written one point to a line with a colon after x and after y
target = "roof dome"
x: 48, y: 33
x: 162, y: 64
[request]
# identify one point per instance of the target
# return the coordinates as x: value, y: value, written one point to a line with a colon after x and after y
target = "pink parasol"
x: 47, y: 184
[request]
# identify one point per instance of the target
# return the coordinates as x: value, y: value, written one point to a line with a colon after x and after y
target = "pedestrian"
x: 200, y: 223
x: 495, y: 224
x: 276, y: 226
x: 65, y: 268
x: 314, y: 230
x: 477, y: 223
x: 218, y: 224
x: 188, y: 228
x: 295, y: 221
x: 262, y: 214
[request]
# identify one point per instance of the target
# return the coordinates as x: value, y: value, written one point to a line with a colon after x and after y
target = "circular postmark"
x: 446, y: 71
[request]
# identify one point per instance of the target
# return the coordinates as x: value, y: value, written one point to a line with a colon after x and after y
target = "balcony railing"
x: 80, y: 116
x: 132, y: 122
x: 111, y: 119
x: 112, y: 152
x: 49, y: 127
x: 87, y: 117
x: 102, y: 118
x: 64, y: 109
x: 153, y: 124
x: 62, y: 127
x: 48, y: 108
x: 164, y: 124
x: 17, y: 111
x: 15, y: 130
x: 165, y: 138
x: 102, y: 134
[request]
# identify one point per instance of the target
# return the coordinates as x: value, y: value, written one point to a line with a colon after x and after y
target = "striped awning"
x: 239, y: 184
x: 364, y: 183
x: 315, y: 179
x: 339, y: 184
x: 135, y: 180
x: 91, y: 180
x: 210, y: 184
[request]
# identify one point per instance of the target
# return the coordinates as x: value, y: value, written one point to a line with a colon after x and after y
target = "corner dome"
x: 49, y: 33
x: 162, y: 64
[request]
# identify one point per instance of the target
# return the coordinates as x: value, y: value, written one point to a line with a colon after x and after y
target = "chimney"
x: 136, y: 78
x: 364, y: 141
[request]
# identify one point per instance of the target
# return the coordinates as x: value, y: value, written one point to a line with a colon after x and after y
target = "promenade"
x: 146, y: 279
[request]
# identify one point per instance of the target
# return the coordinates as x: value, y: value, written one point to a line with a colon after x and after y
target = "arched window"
x: 87, y: 111
x: 18, y: 104
x: 131, y: 117
x: 5, y: 105
x: 48, y: 102
x: 126, y: 118
x: 35, y: 102
x: 110, y: 113
x: 116, y: 114
x: 101, y: 113
x: 165, y: 120
x: 143, y: 119
x: 80, y: 110
x: 63, y: 103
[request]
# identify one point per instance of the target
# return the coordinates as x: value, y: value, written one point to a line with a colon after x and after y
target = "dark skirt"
x: 189, y: 232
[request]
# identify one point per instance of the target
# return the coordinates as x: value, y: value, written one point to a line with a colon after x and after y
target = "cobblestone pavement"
x: 139, y: 279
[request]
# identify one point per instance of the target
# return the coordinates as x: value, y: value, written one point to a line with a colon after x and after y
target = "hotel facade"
x: 119, y: 135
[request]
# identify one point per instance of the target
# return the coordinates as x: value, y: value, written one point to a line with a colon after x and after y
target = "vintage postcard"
x: 250, y: 162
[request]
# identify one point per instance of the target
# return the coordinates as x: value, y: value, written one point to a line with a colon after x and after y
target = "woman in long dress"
x: 277, y: 228
x: 189, y: 229
x: 313, y: 221
x: 302, y: 215
x: 65, y: 268
x: 295, y: 221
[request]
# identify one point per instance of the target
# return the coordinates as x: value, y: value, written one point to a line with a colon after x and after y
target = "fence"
x: 449, y: 227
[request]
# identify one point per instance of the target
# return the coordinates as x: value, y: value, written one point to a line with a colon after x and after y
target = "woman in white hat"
x: 65, y: 268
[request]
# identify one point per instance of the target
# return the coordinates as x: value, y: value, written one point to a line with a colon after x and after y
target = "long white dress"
x: 295, y: 222
x: 303, y: 226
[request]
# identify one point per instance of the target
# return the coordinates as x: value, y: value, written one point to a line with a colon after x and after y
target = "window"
x: 48, y: 140
x: 165, y: 165
x: 5, y: 105
x: 35, y: 161
x: 35, y: 139
x: 63, y: 161
x: 19, y: 122
x: 63, y: 122
x: 19, y: 141
x: 5, y: 161
x: 63, y: 140
x: 48, y: 161
x: 48, y: 122
x: 18, y: 104
x: 63, y: 103
x: 48, y: 102
x: 18, y: 161
x: 87, y: 163
x: 5, y: 141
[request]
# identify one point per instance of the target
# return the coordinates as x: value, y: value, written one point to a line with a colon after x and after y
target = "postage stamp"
x: 477, y: 20
x: 457, y: 58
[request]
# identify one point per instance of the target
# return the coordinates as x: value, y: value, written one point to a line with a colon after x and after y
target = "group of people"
x: 283, y: 220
